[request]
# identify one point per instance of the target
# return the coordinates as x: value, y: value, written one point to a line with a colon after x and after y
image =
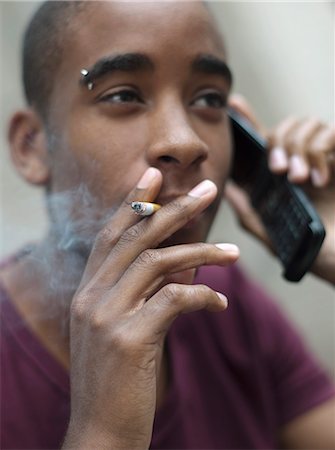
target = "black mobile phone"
x: 290, y: 219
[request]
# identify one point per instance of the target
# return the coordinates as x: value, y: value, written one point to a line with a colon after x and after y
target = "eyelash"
x: 123, y: 92
x: 214, y: 99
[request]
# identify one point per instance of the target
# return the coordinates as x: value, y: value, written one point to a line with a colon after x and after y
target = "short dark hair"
x: 43, y: 46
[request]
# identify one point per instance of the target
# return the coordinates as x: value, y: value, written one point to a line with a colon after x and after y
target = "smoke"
x: 59, y: 261
x: 76, y: 219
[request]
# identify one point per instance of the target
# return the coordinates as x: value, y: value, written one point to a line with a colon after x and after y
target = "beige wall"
x: 282, y: 54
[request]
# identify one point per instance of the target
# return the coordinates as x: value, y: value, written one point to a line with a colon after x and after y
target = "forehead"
x: 171, y: 34
x: 158, y: 28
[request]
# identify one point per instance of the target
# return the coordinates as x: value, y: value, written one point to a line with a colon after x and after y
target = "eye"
x: 210, y: 100
x: 122, y: 96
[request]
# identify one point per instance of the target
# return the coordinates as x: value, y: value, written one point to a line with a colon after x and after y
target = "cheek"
x: 220, y: 159
x: 105, y: 158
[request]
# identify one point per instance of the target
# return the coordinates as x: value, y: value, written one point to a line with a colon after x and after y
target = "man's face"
x: 163, y: 105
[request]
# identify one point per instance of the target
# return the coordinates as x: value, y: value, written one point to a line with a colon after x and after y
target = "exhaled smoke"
x: 76, y: 218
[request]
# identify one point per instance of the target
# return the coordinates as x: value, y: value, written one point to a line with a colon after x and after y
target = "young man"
x: 128, y: 102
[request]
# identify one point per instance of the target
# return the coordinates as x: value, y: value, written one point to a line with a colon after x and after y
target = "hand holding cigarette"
x: 124, y: 307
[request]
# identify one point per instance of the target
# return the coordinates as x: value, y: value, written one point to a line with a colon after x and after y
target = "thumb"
x: 243, y: 107
x: 245, y: 213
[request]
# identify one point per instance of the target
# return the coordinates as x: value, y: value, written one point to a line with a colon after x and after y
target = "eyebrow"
x: 126, y: 62
x: 212, y: 65
x: 130, y: 62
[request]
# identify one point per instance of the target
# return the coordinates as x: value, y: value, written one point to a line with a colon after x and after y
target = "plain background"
x: 282, y: 55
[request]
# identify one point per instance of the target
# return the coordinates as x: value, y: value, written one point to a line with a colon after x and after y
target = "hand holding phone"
x: 290, y: 219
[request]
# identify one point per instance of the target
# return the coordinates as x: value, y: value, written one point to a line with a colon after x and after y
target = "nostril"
x: 168, y: 159
x: 199, y: 160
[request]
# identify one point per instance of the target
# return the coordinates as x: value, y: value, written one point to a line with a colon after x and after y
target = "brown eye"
x: 210, y: 100
x: 124, y: 96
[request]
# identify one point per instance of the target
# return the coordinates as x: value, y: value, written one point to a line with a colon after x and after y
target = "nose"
x: 174, y: 143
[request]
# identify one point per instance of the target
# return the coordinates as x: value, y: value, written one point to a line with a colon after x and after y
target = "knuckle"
x: 204, y: 290
x: 314, y: 122
x: 172, y: 292
x: 204, y: 250
x: 97, y: 320
x: 122, y: 340
x: 105, y: 238
x: 149, y: 258
x: 281, y: 131
x: 315, y: 151
x: 129, y: 236
x: 81, y: 306
x: 78, y: 309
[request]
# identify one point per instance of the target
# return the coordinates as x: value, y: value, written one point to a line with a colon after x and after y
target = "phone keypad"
x: 284, y: 219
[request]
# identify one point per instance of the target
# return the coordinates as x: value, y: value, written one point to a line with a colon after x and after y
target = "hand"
x: 122, y: 311
x: 305, y: 150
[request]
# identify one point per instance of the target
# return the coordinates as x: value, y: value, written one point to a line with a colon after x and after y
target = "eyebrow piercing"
x: 84, y: 73
x: 144, y: 208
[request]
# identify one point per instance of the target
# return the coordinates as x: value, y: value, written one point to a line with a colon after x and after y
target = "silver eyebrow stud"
x: 84, y: 73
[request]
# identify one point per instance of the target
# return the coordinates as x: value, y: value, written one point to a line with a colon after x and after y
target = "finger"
x: 321, y: 152
x: 146, y: 189
x: 240, y: 104
x: 154, y: 266
x: 280, y: 144
x: 156, y: 316
x: 298, y: 145
x: 151, y: 231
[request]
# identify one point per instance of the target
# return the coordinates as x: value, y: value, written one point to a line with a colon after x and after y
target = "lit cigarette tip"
x: 144, y: 208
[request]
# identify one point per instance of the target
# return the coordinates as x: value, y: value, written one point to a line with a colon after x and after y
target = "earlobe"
x: 28, y: 147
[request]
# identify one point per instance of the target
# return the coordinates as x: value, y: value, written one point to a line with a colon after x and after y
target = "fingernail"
x: 203, y: 188
x: 147, y: 178
x: 231, y: 248
x: 316, y: 177
x: 278, y: 159
x: 223, y: 298
x: 298, y: 168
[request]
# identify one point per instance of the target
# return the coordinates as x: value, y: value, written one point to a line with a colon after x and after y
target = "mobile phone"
x: 290, y: 219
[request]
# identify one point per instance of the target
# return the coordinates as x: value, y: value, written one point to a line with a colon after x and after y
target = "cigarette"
x: 144, y: 208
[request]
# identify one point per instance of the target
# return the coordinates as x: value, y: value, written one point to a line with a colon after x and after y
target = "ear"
x: 28, y: 147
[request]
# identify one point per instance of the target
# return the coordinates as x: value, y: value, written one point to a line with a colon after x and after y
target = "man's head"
x: 154, y: 95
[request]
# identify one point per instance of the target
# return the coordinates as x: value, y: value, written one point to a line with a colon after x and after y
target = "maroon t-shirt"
x: 237, y: 377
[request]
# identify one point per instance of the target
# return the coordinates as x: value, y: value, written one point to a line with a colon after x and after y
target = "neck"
x: 42, y: 284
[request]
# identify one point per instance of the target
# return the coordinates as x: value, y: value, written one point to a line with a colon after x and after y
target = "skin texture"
x: 107, y: 143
